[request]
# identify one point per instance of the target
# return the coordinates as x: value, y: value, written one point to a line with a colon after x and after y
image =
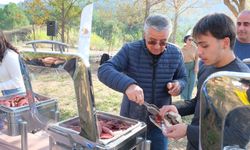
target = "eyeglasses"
x: 246, y: 24
x: 154, y: 42
x: 190, y: 39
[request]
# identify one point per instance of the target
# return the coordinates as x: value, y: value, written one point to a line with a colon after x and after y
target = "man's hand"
x: 176, y: 132
x: 173, y: 88
x: 167, y: 108
x: 135, y: 94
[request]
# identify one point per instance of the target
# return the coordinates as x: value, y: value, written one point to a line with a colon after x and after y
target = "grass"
x: 59, y: 85
x: 106, y: 99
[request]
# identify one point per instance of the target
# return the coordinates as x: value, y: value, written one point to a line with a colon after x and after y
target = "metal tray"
x: 69, y: 137
x: 12, y: 116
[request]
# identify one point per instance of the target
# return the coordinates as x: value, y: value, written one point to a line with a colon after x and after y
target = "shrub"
x: 97, y: 43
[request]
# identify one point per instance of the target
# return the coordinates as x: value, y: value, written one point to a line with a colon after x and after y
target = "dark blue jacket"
x: 134, y: 64
x: 242, y: 50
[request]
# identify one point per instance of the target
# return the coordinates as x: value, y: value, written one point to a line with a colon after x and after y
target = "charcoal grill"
x: 88, y: 136
x: 225, y: 112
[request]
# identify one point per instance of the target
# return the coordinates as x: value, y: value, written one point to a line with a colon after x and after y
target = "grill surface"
x: 68, y: 138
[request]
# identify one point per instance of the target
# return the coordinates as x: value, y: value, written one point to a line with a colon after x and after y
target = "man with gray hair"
x: 242, y: 43
x: 151, y: 70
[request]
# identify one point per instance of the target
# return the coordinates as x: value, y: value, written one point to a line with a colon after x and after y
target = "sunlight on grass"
x: 57, y: 85
x: 106, y: 99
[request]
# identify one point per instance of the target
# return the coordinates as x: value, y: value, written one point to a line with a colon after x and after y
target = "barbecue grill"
x: 225, y: 111
x: 83, y: 130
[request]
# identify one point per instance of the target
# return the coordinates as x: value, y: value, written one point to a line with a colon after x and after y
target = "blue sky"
x: 8, y: 1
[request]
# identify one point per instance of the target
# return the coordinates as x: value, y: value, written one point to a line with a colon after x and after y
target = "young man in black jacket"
x: 215, y: 36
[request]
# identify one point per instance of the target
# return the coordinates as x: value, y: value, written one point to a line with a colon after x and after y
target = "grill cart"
x: 89, y: 129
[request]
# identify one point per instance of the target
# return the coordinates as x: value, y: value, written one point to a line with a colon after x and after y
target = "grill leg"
x: 139, y: 143
x: 147, y: 145
x: 55, y: 114
x: 24, y: 135
x: 51, y: 143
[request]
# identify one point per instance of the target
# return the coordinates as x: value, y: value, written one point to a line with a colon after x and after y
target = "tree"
x: 12, y: 17
x: 118, y: 23
x: 179, y: 7
x: 106, y: 25
x: 132, y: 18
x: 67, y: 12
x: 235, y: 6
x: 37, y: 13
x: 148, y: 4
x: 1, y: 19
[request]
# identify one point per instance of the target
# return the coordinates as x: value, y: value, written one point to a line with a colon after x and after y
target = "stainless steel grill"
x: 88, y: 136
x: 13, y: 116
x: 225, y: 111
x: 68, y: 138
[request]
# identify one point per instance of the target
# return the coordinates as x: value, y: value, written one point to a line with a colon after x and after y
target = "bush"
x: 97, y: 43
x: 40, y: 34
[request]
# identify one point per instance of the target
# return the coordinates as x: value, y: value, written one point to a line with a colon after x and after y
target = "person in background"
x: 215, y: 36
x: 190, y: 55
x: 11, y: 80
x: 151, y: 70
x: 242, y: 44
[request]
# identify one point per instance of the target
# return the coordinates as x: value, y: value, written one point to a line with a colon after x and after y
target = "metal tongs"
x: 170, y: 118
x: 154, y: 110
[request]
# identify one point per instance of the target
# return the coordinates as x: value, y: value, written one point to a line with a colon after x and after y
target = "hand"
x: 176, y: 132
x: 174, y: 88
x: 167, y: 108
x: 135, y: 94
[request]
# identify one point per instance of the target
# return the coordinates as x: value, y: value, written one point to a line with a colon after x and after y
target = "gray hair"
x: 158, y: 21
